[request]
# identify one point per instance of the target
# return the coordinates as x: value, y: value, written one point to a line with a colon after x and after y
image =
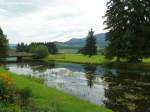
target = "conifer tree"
x: 128, y: 23
x: 90, y: 46
x: 3, y: 44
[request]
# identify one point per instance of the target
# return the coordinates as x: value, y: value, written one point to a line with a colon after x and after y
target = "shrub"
x: 9, y: 108
x: 40, y: 50
x: 6, y: 88
x: 23, y: 96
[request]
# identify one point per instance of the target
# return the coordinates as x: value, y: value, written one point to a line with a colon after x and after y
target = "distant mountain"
x: 76, y: 43
x: 79, y: 43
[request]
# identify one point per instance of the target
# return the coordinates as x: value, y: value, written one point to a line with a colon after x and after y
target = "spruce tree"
x: 3, y: 44
x: 52, y: 48
x: 128, y: 23
x: 90, y: 46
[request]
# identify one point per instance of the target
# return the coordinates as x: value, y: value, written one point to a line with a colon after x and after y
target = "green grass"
x: 68, y: 51
x: 77, y: 58
x: 56, y: 101
x: 99, y: 59
x: 146, y: 60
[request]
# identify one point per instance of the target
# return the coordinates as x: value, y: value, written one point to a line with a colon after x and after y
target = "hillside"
x: 75, y: 43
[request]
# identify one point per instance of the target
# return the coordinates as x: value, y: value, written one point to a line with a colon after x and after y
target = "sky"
x: 50, y: 20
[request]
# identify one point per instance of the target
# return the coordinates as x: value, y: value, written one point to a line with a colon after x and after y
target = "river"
x: 119, y: 90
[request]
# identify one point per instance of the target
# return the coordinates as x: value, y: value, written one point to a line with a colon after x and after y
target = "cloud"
x: 50, y: 20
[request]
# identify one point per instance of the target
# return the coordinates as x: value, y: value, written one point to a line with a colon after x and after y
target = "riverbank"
x: 99, y: 60
x: 77, y: 58
x: 51, y: 99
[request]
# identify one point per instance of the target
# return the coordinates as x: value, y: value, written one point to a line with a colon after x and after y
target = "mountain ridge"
x: 77, y: 43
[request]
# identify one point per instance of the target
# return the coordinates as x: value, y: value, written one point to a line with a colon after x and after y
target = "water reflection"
x: 90, y: 72
x: 76, y: 79
x: 41, y: 66
x: 119, y: 90
x: 127, y: 91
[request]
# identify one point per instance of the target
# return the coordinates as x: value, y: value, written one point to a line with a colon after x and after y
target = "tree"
x: 22, y: 47
x: 3, y: 44
x: 90, y: 47
x: 52, y: 48
x: 128, y: 23
x: 41, y: 51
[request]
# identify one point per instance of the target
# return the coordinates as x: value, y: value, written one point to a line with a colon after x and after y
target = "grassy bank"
x: 99, y: 59
x: 51, y: 99
x: 77, y: 58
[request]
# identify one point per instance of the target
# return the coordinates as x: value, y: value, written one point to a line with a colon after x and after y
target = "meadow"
x: 77, y: 58
x: 99, y: 60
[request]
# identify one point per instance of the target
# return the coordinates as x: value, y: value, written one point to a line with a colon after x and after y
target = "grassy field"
x: 146, y: 60
x: 99, y: 59
x: 77, y: 58
x: 53, y: 100
x: 68, y: 51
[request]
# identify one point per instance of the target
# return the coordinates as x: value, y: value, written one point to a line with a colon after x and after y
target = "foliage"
x: 128, y: 25
x: 9, y: 108
x: 90, y: 47
x: 22, y: 47
x: 41, y: 51
x: 52, y: 49
x: 23, y: 97
x: 6, y: 88
x: 3, y: 44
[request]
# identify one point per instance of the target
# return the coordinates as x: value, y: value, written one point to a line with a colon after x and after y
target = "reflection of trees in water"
x: 39, y: 66
x: 127, y: 92
x: 90, y: 74
x: 22, y: 65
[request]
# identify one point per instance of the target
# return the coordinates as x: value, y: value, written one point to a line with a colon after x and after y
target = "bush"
x: 40, y: 50
x: 9, y: 108
x: 23, y: 97
x: 7, y: 92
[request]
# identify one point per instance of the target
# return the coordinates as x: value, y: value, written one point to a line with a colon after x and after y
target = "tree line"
x: 22, y: 47
x: 128, y: 36
x: 40, y: 49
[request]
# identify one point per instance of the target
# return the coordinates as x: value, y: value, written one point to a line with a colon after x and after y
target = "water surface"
x: 119, y: 90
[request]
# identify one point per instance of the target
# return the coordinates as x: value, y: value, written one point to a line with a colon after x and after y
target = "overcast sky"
x: 50, y: 20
